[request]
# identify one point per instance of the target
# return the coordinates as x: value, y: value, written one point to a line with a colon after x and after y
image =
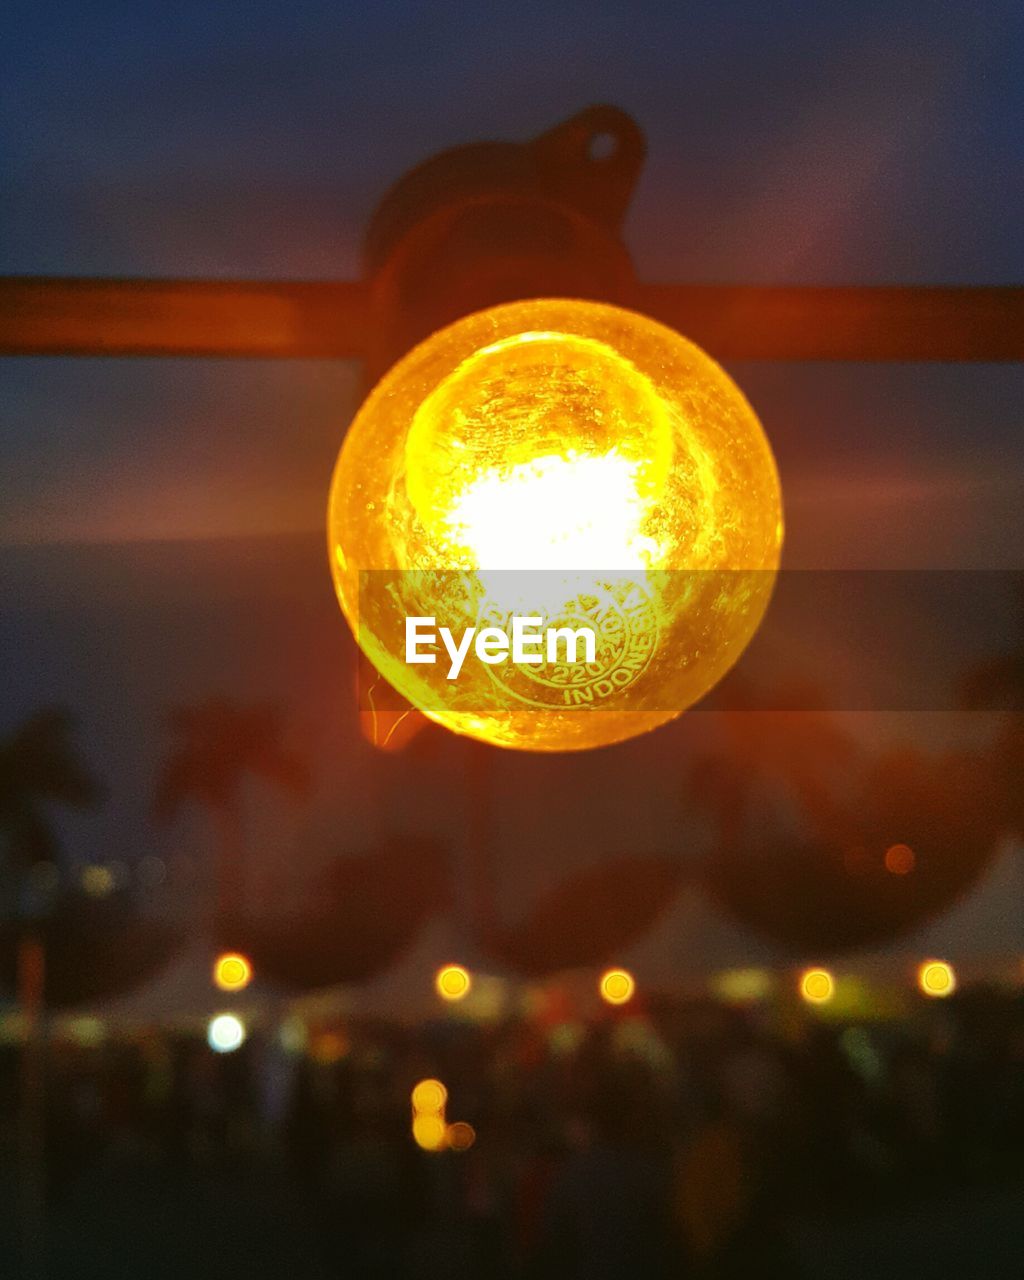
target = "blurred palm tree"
x: 40, y: 767
x: 219, y: 743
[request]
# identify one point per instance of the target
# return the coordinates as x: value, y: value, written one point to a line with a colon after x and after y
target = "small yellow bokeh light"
x: 429, y: 1097
x: 98, y: 881
x: 232, y: 971
x: 817, y: 986
x: 616, y: 986
x: 936, y: 978
x: 567, y: 461
x: 452, y: 982
x: 429, y: 1131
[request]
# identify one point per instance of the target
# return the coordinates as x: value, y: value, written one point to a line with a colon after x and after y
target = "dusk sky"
x: 707, y: 872
x: 816, y: 143
x: 811, y: 143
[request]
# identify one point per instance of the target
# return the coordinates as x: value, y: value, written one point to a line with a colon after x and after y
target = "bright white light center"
x: 573, y: 512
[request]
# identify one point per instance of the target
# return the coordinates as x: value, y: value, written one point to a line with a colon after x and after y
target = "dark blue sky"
x: 809, y: 141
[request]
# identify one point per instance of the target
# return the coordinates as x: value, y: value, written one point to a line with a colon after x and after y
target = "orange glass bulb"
x: 569, y: 461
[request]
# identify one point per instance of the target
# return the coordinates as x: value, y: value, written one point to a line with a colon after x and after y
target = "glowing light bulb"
x: 226, y: 1033
x: 570, y: 462
x: 232, y: 971
x: 616, y: 986
x: 817, y: 986
x: 453, y: 982
x: 936, y: 978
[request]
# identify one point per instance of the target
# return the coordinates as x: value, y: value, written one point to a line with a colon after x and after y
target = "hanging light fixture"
x: 574, y: 465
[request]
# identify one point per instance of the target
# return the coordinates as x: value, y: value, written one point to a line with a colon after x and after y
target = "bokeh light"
x: 742, y: 986
x: 616, y: 986
x: 429, y: 1131
x: 293, y: 1035
x: 88, y: 1032
x: 328, y: 1047
x: 452, y: 982
x: 151, y: 871
x: 226, y: 1033
x: 98, y: 881
x: 232, y: 971
x: 899, y: 859
x: 936, y: 978
x: 429, y: 1097
x: 461, y: 1136
x: 595, y: 453
x: 817, y: 986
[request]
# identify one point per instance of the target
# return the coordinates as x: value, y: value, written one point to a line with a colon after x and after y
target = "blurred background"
x: 186, y: 771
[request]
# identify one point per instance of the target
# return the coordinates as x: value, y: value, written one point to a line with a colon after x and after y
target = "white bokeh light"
x: 226, y: 1033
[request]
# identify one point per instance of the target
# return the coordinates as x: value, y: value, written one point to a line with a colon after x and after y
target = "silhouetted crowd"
x: 681, y: 1139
